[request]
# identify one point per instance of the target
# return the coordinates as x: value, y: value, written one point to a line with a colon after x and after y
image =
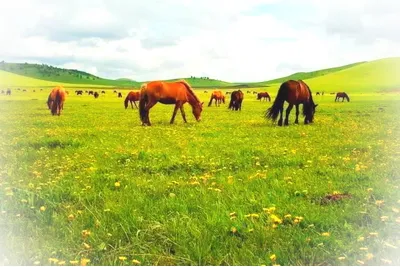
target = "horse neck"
x: 192, y: 100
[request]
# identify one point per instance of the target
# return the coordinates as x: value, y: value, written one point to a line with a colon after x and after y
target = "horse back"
x: 297, y: 92
x: 167, y: 90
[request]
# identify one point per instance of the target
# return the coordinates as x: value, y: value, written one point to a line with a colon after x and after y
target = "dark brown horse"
x: 342, y: 95
x: 295, y: 93
x: 218, y: 97
x: 56, y: 99
x: 236, y: 100
x: 132, y: 97
x: 264, y: 95
x: 177, y: 93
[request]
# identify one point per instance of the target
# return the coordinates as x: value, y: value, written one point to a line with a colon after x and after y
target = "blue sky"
x: 235, y: 40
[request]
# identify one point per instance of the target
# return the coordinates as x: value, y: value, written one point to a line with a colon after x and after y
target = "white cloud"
x: 235, y: 40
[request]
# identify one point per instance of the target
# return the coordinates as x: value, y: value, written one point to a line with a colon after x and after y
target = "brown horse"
x: 295, y: 93
x: 342, y: 95
x: 177, y: 93
x: 264, y: 95
x: 132, y: 97
x: 236, y: 100
x: 218, y: 97
x: 56, y: 99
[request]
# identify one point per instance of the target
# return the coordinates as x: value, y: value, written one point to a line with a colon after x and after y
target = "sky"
x: 231, y: 40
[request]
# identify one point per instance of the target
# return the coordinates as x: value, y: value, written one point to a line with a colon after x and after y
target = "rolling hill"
x: 377, y: 75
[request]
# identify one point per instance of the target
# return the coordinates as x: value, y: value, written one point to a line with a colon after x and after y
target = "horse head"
x: 197, y: 109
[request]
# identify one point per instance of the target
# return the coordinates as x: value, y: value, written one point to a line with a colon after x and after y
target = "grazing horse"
x: 236, y: 100
x: 342, y: 95
x: 8, y: 92
x: 103, y: 92
x: 295, y: 93
x: 317, y: 93
x: 119, y: 94
x: 228, y: 93
x: 90, y: 93
x: 264, y: 95
x: 132, y: 97
x: 96, y: 95
x: 218, y: 97
x: 79, y: 92
x: 177, y: 93
x: 56, y: 100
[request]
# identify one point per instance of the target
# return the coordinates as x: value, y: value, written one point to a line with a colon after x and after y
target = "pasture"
x: 94, y: 187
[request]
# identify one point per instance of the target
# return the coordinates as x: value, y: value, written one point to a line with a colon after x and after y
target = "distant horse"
x: 249, y: 92
x: 264, y: 95
x: 79, y: 92
x: 295, y: 93
x: 218, y: 97
x: 236, y: 100
x: 103, y: 92
x: 96, y: 95
x: 317, y: 93
x: 342, y: 95
x: 228, y: 93
x: 132, y: 97
x: 119, y: 94
x: 254, y: 93
x: 177, y: 93
x: 56, y: 100
x: 205, y: 92
x: 90, y: 93
x: 8, y: 92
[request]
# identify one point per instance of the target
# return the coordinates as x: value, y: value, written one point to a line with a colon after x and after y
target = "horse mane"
x: 190, y: 90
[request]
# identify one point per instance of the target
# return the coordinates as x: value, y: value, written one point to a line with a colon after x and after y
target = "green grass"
x: 180, y: 183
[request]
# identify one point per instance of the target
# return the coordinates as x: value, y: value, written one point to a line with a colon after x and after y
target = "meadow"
x: 94, y: 187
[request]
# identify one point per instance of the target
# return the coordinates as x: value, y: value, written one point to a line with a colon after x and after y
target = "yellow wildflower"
x: 360, y: 262
x: 85, y: 233
x: 287, y: 216
x: 117, y: 184
x: 275, y: 219
x: 269, y: 210
x: 363, y: 248
x: 341, y: 258
x: 369, y: 256
x: 122, y: 258
x: 136, y: 262
x: 273, y: 257
x: 74, y: 262
x: 370, y: 190
x: 326, y: 234
x: 42, y: 208
x: 61, y: 263
x: 53, y: 260
x: 86, y: 245
x: 84, y: 261
x: 361, y: 238
x: 71, y: 217
x: 233, y: 229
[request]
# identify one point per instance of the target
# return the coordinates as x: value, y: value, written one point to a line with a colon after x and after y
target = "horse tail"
x: 126, y: 101
x: 209, y: 104
x: 273, y: 112
x: 55, y: 109
x: 142, y: 102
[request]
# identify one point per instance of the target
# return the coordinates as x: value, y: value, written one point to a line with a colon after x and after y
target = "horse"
x: 96, y: 94
x: 342, y: 95
x: 8, y: 92
x: 132, y: 97
x: 103, y: 92
x: 295, y: 93
x: 56, y: 99
x: 264, y: 95
x: 236, y: 100
x: 317, y: 93
x: 177, y: 93
x: 218, y: 97
x: 228, y: 93
x: 90, y: 93
x: 119, y: 94
x: 78, y: 92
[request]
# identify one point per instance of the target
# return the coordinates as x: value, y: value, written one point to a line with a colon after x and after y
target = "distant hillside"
x: 59, y: 75
x: 305, y: 75
x: 374, y: 76
x: 205, y: 82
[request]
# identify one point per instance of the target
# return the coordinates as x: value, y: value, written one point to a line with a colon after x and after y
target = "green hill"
x: 60, y: 75
x: 374, y: 76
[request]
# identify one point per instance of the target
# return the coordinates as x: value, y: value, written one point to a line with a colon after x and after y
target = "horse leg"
x: 147, y: 108
x: 297, y: 114
x: 289, y: 108
x: 131, y: 103
x: 183, y: 114
x: 134, y: 102
x: 177, y: 105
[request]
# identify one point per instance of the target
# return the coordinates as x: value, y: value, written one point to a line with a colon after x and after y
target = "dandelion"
x: 217, y: 190
x: 42, y: 208
x: 172, y: 195
x: 287, y: 216
x: 360, y: 239
x: 364, y: 248
x: 269, y: 210
x: 369, y: 256
x: 61, y: 263
x: 326, y: 234
x: 36, y: 263
x: 373, y: 234
x: 232, y: 214
x: 273, y: 257
x: 341, y: 258
x: 136, y: 262
x: 74, y: 262
x: 71, y: 217
x: 275, y: 219
x: 86, y: 245
x: 233, y: 230
x: 369, y: 190
x: 53, y: 260
x: 384, y: 218
x: 360, y: 262
x: 252, y: 215
x: 386, y: 261
x: 85, y: 233
x: 122, y: 258
x: 84, y: 261
x: 117, y: 184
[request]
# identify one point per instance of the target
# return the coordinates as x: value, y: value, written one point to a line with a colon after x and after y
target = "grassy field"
x: 94, y: 187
